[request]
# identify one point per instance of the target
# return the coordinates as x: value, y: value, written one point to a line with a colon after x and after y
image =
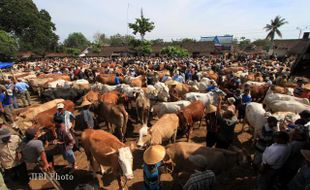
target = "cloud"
x: 176, y: 19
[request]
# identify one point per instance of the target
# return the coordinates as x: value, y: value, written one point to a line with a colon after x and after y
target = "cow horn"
x: 111, y: 152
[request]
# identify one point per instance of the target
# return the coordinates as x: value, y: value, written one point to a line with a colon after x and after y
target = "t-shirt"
x: 276, y: 155
x: 31, y: 151
x: 246, y: 99
x: 5, y: 100
x: 21, y: 86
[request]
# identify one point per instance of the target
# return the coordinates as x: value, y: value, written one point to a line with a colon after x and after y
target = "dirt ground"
x: 237, y: 178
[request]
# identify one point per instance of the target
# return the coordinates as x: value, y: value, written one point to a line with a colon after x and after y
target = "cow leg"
x: 138, y: 115
x: 200, y: 122
x: 190, y: 128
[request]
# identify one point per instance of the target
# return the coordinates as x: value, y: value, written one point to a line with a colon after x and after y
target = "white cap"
x: 60, y: 106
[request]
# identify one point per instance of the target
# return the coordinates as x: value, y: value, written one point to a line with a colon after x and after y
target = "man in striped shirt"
x: 202, y: 179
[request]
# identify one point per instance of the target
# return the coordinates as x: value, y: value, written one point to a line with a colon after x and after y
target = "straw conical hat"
x: 307, y: 86
x: 154, y: 154
x: 211, y: 109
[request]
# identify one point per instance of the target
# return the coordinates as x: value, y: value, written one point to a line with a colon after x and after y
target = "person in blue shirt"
x: 117, y: 79
x: 5, y: 106
x: 245, y: 99
x: 22, y: 90
x: 153, y: 167
x: 212, y: 86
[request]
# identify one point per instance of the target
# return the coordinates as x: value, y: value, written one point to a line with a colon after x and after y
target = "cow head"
x: 125, y: 159
x: 144, y: 136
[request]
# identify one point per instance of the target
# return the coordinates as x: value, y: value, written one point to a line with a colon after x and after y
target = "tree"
x: 119, y: 40
x: 76, y: 40
x: 186, y: 40
x: 141, y: 47
x: 244, y: 43
x: 33, y: 28
x: 264, y: 43
x: 157, y: 41
x: 100, y: 39
x: 8, y: 46
x: 273, y: 27
x: 142, y: 26
x: 174, y: 51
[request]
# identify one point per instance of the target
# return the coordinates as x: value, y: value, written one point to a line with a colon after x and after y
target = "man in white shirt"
x: 274, y: 157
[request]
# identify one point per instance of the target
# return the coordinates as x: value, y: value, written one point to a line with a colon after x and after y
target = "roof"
x: 293, y: 46
x: 301, y: 67
x: 226, y: 39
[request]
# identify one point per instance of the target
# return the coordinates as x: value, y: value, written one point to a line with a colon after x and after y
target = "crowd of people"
x: 282, y: 157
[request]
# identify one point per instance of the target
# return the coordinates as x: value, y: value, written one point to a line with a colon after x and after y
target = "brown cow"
x: 218, y: 160
x: 190, y: 114
x: 107, y: 150
x: 143, y: 107
x: 45, y: 119
x: 258, y: 92
x: 110, y: 97
x: 91, y: 96
x: 114, y: 114
x: 108, y: 79
x: 55, y: 76
x: 230, y: 70
x: 139, y: 81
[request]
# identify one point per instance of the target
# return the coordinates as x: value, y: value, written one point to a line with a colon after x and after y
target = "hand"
x: 47, y: 167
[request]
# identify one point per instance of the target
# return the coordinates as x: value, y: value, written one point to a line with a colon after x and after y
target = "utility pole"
x: 301, y: 29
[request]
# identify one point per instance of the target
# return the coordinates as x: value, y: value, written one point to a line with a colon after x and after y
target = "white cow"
x: 59, y: 84
x: 255, y: 116
x: 202, y: 85
x: 205, y: 98
x: 130, y: 91
x: 169, y: 107
x: 163, y: 91
x: 287, y: 106
x: 271, y: 97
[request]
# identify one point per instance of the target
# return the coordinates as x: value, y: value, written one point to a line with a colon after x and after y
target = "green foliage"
x: 141, y: 47
x: 76, y: 40
x: 119, y: 40
x: 157, y: 41
x: 244, y: 43
x: 33, y: 28
x: 100, y: 39
x: 174, y: 51
x: 73, y: 51
x: 96, y: 48
x: 187, y: 40
x: 142, y: 26
x: 273, y: 27
x: 266, y: 44
x: 8, y: 46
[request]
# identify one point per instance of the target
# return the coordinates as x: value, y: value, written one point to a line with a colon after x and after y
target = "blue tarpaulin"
x: 5, y: 65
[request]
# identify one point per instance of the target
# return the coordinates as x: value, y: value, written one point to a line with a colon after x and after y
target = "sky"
x: 177, y: 19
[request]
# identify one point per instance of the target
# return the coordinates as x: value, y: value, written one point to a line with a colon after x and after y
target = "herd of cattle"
x: 151, y: 102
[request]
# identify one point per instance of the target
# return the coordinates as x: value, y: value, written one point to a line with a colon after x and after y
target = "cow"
x: 181, y: 88
x: 162, y: 108
x: 190, y: 114
x: 110, y: 97
x: 45, y: 118
x: 59, y: 84
x: 103, y: 87
x: 81, y: 84
x: 143, y: 107
x: 258, y: 92
x: 218, y: 160
x: 30, y: 113
x: 271, y: 97
x: 64, y: 93
x: 108, y: 79
x: 139, y: 81
x: 114, y: 114
x: 107, y: 150
x: 91, y: 96
x: 164, y: 129
x: 205, y: 98
x: 255, y: 116
x: 287, y: 106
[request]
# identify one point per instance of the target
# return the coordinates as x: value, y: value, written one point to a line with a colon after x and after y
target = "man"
x: 202, y: 179
x: 10, y: 159
x: 174, y: 95
x: 66, y: 142
x: 22, y: 89
x: 65, y: 116
x: 87, y: 115
x: 245, y: 99
x: 5, y: 106
x: 273, y: 159
x: 117, y: 79
x: 211, y: 120
x: 33, y: 149
x: 266, y: 139
x: 301, y: 181
x: 298, y: 90
x: 226, y: 123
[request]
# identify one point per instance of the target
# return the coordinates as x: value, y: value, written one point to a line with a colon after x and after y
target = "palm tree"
x: 273, y: 27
